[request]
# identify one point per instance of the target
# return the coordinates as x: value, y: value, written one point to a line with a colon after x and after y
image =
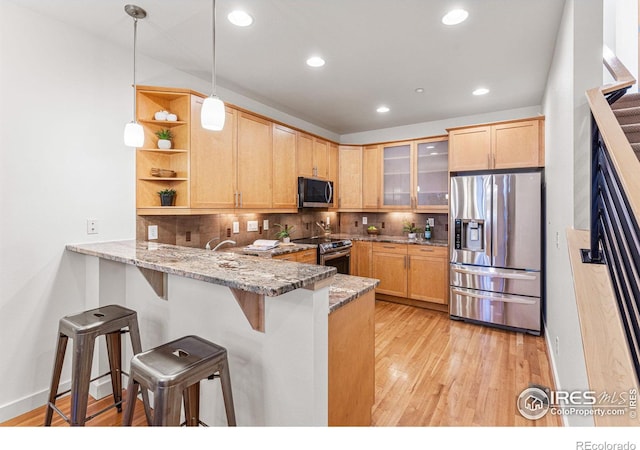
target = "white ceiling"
x: 377, y: 52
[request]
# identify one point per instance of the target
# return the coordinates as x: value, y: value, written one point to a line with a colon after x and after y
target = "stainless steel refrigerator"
x: 496, y: 250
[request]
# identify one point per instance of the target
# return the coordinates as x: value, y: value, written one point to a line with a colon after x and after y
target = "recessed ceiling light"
x: 481, y: 91
x: 240, y: 18
x: 419, y: 90
x: 383, y: 109
x: 454, y: 17
x: 315, y: 61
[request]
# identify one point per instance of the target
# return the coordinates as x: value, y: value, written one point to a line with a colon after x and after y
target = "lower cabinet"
x: 352, y: 362
x: 303, y: 256
x: 361, y: 259
x: 418, y: 273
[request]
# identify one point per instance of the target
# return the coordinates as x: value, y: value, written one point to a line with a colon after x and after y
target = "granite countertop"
x: 271, y: 278
x: 346, y: 288
x: 280, y: 250
x: 392, y: 239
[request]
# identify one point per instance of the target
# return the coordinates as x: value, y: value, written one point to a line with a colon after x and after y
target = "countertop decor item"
x: 285, y: 232
x: 162, y: 173
x: 410, y: 228
x: 167, y: 197
x: 164, y: 138
x: 133, y: 132
x: 373, y: 230
x: 161, y: 115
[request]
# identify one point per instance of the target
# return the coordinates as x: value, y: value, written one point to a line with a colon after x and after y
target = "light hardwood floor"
x: 430, y: 371
x: 433, y: 371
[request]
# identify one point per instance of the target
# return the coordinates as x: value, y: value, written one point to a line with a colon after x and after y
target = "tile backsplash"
x: 196, y: 231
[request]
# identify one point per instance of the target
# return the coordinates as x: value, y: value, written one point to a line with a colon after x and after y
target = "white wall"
x: 621, y: 31
x: 576, y: 67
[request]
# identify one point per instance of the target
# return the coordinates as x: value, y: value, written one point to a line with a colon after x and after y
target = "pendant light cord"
x: 135, y: 94
x: 213, y: 69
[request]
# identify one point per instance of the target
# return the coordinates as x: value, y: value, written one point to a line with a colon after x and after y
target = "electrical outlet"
x: 152, y: 232
x: 236, y: 227
x: 265, y: 224
x: 252, y: 225
x: 187, y: 236
x: 328, y: 221
x: 364, y: 221
x: 431, y: 221
x: 557, y: 345
x: 92, y: 226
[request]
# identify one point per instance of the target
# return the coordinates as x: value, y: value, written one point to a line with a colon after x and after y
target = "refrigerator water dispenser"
x: 469, y: 235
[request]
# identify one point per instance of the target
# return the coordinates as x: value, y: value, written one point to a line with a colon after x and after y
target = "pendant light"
x: 133, y: 132
x: 213, y: 114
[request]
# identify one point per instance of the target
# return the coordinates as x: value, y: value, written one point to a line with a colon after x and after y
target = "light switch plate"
x: 236, y: 227
x: 431, y: 221
x: 252, y: 225
x: 364, y: 221
x: 152, y: 231
x: 265, y: 224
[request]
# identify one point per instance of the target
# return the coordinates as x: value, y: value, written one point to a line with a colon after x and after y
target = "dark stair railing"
x: 614, y: 234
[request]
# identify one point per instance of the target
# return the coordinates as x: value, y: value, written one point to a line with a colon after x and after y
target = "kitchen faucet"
x: 325, y: 228
x: 208, y: 246
x: 228, y: 241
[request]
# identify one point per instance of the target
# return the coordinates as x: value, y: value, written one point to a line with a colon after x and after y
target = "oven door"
x: 341, y: 260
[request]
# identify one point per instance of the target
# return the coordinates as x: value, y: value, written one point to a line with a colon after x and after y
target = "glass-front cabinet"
x: 415, y: 175
x: 396, y: 174
x: 432, y: 175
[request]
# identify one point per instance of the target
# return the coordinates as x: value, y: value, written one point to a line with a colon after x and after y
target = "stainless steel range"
x: 331, y: 252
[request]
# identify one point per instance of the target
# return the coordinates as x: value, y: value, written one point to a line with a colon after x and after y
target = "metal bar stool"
x: 110, y: 321
x: 173, y: 372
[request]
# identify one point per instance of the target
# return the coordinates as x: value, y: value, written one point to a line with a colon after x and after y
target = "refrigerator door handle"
x: 493, y: 296
x: 511, y: 276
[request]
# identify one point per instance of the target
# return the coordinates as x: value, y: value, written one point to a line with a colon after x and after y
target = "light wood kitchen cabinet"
x: 313, y: 156
x: 361, y: 258
x: 309, y: 256
x: 334, y: 173
x: 427, y: 276
x: 350, y: 178
x: 411, y: 274
x: 371, y: 177
x: 389, y: 265
x: 305, y: 155
x: 285, y: 180
x: 351, y: 349
x: 149, y: 101
x: 504, y: 145
x: 415, y: 175
x: 213, y: 161
x: 255, y: 159
x: 321, y: 158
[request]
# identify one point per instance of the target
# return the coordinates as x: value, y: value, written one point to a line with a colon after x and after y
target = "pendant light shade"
x: 133, y: 135
x: 133, y: 131
x: 213, y: 114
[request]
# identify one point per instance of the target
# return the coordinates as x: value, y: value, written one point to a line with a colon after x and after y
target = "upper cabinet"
x: 313, y: 157
x: 214, y: 161
x: 173, y: 163
x: 371, y: 177
x: 415, y: 175
x: 504, y: 145
x: 255, y: 159
x: 285, y: 180
x: 350, y: 178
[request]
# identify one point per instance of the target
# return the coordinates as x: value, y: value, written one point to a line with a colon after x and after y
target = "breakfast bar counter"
x: 274, y: 318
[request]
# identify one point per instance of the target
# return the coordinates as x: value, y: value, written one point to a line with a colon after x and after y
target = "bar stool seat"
x: 173, y: 372
x: 84, y: 328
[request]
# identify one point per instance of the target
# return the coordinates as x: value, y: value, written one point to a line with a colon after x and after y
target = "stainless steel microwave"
x: 314, y: 193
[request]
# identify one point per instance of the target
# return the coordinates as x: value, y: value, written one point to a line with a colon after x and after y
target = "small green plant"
x: 285, y: 231
x: 164, y: 134
x: 167, y: 191
x: 408, y: 227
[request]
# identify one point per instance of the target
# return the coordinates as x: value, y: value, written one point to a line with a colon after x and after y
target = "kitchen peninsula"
x: 287, y: 326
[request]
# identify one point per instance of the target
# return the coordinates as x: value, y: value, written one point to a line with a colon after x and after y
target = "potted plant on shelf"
x: 164, y: 138
x: 410, y: 228
x: 167, y: 197
x: 284, y: 233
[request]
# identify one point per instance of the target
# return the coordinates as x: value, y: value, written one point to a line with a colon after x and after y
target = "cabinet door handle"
x: 386, y: 246
x: 489, y: 160
x: 235, y: 199
x: 408, y: 262
x: 240, y: 199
